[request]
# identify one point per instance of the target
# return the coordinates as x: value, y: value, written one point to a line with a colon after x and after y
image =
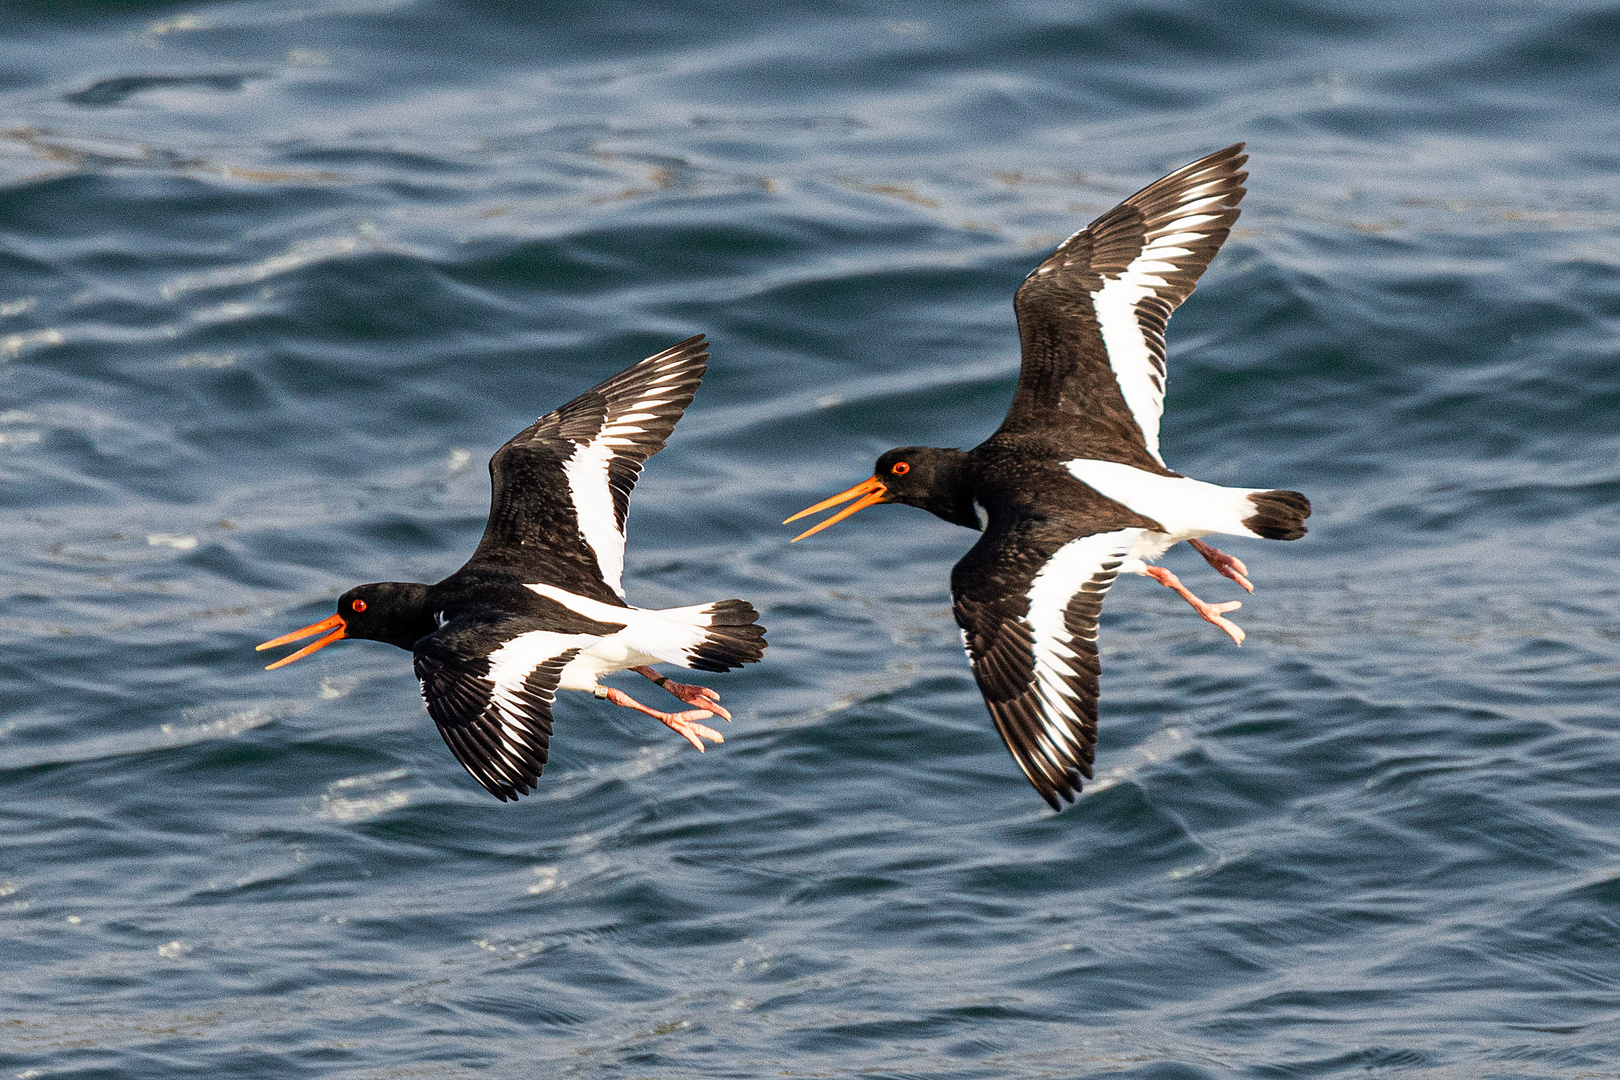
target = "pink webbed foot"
x: 693, y: 733
x: 701, y: 696
x: 1211, y: 612
x: 1229, y: 566
x: 683, y: 724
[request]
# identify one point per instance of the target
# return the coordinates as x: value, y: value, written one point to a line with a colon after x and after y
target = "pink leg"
x: 701, y: 696
x: 1226, y: 565
x: 1211, y: 612
x: 680, y: 723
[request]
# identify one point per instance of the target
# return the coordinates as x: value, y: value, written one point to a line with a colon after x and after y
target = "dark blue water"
x: 276, y: 278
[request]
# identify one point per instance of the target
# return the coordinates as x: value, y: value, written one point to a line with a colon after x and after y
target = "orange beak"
x: 868, y: 492
x: 333, y: 623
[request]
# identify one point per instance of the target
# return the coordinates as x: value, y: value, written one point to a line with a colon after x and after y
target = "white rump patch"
x: 594, y: 610
x: 1186, y: 507
x: 650, y: 636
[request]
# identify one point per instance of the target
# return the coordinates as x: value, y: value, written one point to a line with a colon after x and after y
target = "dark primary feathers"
x: 1027, y: 597
x: 490, y: 674
x: 1138, y: 261
x: 561, y: 487
x: 1084, y: 418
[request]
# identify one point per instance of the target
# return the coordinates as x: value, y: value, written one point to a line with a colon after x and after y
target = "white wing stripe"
x: 1190, y: 218
x: 1128, y: 354
x: 1074, y: 564
x: 639, y: 401
x: 587, y: 472
x: 1149, y: 271
x: 509, y: 669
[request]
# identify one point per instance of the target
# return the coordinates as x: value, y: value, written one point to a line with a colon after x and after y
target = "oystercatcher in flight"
x: 1071, y: 492
x: 539, y: 607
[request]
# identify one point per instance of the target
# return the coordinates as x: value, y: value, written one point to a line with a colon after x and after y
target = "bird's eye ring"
x: 900, y: 468
x: 358, y: 605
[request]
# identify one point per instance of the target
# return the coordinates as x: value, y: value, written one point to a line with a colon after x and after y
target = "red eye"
x: 900, y: 468
x: 358, y: 605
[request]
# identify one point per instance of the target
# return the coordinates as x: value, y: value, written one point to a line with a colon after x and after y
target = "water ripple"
x: 280, y: 278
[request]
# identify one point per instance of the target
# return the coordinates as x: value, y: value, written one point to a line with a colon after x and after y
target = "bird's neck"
x: 951, y: 495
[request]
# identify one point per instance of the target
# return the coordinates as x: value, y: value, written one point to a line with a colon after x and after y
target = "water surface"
x: 277, y: 277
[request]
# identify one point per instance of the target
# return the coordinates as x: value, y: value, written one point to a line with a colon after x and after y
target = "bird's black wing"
x: 561, y: 487
x: 1028, y: 611
x: 1092, y: 316
x: 489, y: 688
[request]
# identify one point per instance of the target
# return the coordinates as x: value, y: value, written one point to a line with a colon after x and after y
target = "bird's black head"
x: 937, y: 480
x: 391, y: 611
x: 925, y: 476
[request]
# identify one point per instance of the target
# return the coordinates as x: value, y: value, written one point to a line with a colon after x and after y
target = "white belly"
x: 607, y: 655
x: 1148, y: 547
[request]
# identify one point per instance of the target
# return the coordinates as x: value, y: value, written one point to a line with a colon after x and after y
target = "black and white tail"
x: 734, y: 637
x: 712, y: 637
x: 1280, y: 515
